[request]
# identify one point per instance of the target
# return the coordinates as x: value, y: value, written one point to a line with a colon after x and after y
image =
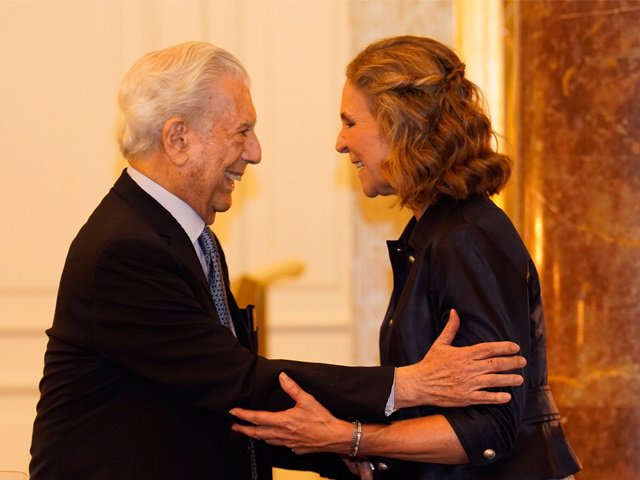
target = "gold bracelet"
x: 357, y: 436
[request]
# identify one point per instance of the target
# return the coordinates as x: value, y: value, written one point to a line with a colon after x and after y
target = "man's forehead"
x: 231, y: 93
x: 230, y: 82
x: 230, y: 107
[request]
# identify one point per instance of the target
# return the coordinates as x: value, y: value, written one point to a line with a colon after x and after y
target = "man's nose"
x: 252, y: 149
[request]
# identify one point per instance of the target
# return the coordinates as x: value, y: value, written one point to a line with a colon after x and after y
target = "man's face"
x: 221, y: 148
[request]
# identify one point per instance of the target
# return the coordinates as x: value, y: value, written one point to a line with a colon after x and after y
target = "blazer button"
x: 391, y: 322
x: 489, y: 454
x: 412, y: 259
x: 383, y: 467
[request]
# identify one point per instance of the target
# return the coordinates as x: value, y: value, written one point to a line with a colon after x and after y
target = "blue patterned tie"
x: 219, y: 294
x: 215, y: 279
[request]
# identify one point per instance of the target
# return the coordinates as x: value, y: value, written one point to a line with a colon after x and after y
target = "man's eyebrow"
x: 345, y: 117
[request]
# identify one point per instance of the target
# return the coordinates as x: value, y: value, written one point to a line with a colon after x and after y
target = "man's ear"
x: 175, y: 140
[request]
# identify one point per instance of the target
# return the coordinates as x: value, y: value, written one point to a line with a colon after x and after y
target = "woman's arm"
x: 424, y: 439
x: 309, y: 427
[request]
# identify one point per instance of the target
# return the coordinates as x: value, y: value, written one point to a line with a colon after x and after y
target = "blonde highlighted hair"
x: 441, y: 140
x: 173, y: 81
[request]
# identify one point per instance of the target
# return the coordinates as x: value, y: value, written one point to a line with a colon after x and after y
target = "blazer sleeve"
x: 150, y: 316
x: 476, y: 276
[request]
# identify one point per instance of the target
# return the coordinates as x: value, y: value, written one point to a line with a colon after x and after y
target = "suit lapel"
x: 161, y: 221
x: 241, y: 318
x: 155, y: 215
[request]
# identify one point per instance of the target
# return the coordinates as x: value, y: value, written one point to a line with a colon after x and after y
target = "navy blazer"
x: 467, y: 255
x: 139, y: 373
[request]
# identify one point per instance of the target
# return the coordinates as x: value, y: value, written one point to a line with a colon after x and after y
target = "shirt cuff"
x: 390, y: 408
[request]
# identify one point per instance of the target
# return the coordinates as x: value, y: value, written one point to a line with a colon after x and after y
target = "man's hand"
x: 457, y: 376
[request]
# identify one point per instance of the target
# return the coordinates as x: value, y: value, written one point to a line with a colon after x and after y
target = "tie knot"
x: 207, y: 242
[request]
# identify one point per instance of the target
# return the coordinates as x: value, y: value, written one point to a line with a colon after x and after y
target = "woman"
x: 413, y: 126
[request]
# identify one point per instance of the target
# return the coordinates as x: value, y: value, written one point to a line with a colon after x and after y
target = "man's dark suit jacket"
x: 139, y: 373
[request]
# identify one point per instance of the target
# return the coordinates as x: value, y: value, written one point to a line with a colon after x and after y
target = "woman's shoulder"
x: 478, y: 225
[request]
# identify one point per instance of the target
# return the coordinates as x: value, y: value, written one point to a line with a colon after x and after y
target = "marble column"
x: 577, y: 149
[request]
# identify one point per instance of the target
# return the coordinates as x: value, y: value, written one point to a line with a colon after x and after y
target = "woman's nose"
x: 341, y: 145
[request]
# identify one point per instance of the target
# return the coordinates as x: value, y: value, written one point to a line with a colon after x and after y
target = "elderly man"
x: 148, y: 350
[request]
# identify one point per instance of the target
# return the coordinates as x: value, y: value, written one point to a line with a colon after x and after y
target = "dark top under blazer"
x: 139, y: 373
x: 467, y: 255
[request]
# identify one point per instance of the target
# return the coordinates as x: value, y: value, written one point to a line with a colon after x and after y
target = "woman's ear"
x: 175, y: 140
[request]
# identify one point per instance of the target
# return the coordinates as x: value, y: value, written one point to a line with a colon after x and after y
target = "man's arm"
x: 450, y: 376
x: 446, y: 376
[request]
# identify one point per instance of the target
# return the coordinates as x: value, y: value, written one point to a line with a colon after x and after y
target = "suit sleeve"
x: 150, y: 316
x: 478, y: 279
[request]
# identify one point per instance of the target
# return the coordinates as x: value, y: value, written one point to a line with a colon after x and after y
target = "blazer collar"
x: 417, y: 232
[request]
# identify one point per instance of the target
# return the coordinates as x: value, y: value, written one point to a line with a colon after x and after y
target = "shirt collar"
x: 186, y: 216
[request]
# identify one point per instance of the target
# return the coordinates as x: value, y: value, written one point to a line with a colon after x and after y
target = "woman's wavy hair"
x: 173, y: 81
x: 440, y: 138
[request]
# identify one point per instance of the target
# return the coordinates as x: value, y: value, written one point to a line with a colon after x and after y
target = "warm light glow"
x: 480, y: 46
x: 580, y: 324
x: 538, y: 241
x: 556, y: 280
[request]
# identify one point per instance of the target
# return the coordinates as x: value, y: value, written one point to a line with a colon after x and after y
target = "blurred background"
x: 562, y: 84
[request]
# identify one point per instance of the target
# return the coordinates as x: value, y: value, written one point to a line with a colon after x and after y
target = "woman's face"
x: 361, y: 138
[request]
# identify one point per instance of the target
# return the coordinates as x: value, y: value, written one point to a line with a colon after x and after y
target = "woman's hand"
x: 307, y: 427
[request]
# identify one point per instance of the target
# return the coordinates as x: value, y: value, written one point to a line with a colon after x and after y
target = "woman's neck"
x: 419, y: 211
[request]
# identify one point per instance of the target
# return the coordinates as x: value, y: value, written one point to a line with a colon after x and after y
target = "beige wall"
x: 58, y: 63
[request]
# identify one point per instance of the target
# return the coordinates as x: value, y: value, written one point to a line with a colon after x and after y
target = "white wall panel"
x: 18, y: 409
x: 26, y: 309
x: 57, y: 112
x: 323, y: 345
x: 21, y: 354
x: 57, y: 103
